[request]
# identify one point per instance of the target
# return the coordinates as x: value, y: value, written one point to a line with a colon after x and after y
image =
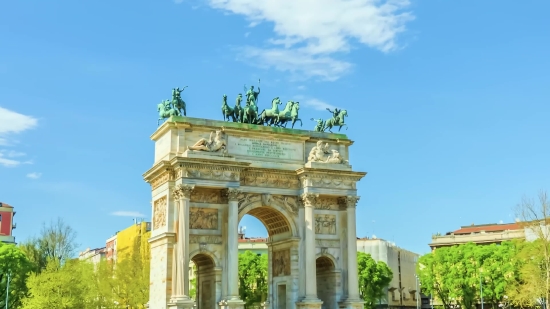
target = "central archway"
x: 282, y: 251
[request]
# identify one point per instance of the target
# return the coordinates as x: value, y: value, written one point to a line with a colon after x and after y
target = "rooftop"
x: 5, y: 205
x: 488, y: 228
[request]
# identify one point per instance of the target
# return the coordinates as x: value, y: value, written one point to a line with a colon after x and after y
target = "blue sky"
x: 448, y: 101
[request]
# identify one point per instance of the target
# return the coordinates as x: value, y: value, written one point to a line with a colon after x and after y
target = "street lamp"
x: 8, y: 290
x: 481, y: 288
x: 417, y: 292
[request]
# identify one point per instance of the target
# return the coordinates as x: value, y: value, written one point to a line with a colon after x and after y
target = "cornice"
x: 305, y: 171
x: 157, y: 169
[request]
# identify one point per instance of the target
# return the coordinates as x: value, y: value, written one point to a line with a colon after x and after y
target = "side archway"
x: 327, y: 281
x: 205, y: 274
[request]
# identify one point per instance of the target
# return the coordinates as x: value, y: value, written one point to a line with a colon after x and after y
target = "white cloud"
x: 310, y: 33
x: 12, y: 123
x: 34, y: 175
x: 313, y: 102
x: 317, y: 104
x: 123, y: 213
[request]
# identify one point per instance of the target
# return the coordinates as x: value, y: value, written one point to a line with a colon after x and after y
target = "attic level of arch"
x: 241, y: 174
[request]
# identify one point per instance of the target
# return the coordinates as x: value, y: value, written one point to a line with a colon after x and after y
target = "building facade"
x: 110, y: 248
x: 93, y: 255
x: 6, y: 223
x: 479, y: 234
x: 402, y: 292
x: 132, y: 238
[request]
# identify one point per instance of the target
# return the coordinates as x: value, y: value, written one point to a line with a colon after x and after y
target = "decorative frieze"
x: 203, y: 218
x: 327, y: 203
x: 270, y: 179
x: 164, y: 177
x: 327, y: 243
x: 208, y: 196
x: 207, y: 171
x: 159, y: 212
x: 200, y: 239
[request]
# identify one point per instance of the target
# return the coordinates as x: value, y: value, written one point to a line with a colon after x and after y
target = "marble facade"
x: 208, y: 174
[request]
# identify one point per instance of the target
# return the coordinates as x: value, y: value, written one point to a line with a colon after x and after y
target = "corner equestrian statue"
x: 337, y: 120
x: 177, y: 101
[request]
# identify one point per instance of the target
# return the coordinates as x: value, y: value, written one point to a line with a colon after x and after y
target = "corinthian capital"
x: 309, y: 199
x: 232, y: 194
x: 183, y: 191
x: 349, y: 201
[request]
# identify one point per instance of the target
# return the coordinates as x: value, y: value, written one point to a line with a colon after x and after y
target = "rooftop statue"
x: 216, y: 143
x: 227, y: 111
x: 270, y: 116
x: 177, y: 101
x: 337, y: 120
x: 322, y: 154
x: 165, y: 111
x: 320, y: 125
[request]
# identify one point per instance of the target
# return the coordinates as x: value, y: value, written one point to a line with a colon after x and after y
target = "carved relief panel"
x: 281, y: 263
x: 203, y: 218
x: 208, y: 196
x: 159, y: 213
x: 325, y: 224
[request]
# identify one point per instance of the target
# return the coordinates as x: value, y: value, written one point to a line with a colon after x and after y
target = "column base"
x: 181, y: 303
x: 352, y: 304
x: 309, y: 304
x: 231, y: 304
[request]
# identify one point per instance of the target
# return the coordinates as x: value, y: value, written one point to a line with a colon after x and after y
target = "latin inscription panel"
x: 264, y: 148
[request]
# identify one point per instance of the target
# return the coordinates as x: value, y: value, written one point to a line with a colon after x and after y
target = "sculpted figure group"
x: 249, y: 112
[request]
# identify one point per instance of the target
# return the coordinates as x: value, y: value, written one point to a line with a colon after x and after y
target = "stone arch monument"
x: 208, y: 174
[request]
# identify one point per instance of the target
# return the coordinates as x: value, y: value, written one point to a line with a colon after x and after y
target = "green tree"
x: 374, y: 278
x: 56, y: 241
x: 14, y: 263
x: 456, y: 273
x: 130, y: 284
x: 534, y: 272
x: 252, y: 277
x: 60, y: 287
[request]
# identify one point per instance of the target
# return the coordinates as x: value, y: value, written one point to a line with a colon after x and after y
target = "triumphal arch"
x: 208, y: 174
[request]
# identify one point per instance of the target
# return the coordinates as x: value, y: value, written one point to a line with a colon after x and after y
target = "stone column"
x: 180, y: 298
x: 233, y: 298
x: 353, y: 300
x: 310, y: 301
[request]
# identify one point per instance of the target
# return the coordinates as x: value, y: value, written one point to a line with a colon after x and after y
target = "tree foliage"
x: 57, y: 241
x: 374, y: 278
x: 533, y: 284
x: 14, y: 266
x: 458, y: 272
x: 252, y: 277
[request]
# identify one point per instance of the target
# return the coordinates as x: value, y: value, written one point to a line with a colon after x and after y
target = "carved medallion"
x: 159, y: 213
x: 281, y: 263
x: 203, y: 218
x: 325, y: 224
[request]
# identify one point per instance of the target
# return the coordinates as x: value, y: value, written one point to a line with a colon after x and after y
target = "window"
x: 0, y: 217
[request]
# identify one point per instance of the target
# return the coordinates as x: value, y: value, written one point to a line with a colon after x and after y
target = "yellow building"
x: 133, y: 238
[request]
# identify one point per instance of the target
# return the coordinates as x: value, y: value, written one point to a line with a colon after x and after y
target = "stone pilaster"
x: 233, y: 299
x: 180, y: 298
x: 310, y: 301
x: 353, y: 300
